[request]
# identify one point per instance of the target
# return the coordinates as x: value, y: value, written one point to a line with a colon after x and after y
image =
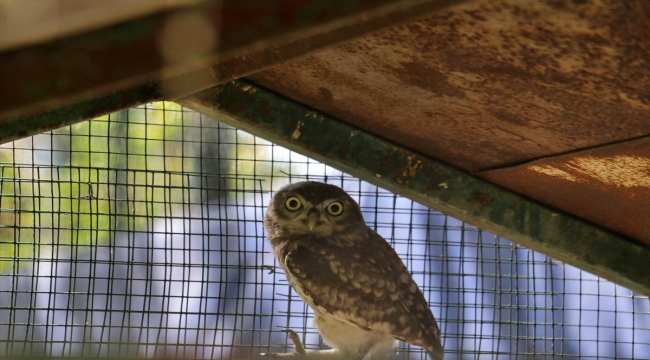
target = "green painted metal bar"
x: 427, y: 181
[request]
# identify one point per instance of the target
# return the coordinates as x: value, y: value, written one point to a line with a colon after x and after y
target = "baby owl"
x: 362, y: 295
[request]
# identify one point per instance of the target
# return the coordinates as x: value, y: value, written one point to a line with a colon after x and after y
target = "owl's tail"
x: 436, y: 351
x: 437, y: 355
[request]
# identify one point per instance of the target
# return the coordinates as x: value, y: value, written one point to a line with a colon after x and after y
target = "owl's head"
x: 312, y: 208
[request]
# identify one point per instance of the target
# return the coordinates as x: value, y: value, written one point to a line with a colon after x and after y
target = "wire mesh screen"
x: 140, y: 234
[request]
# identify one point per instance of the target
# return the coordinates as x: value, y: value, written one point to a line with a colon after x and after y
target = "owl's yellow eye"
x: 335, y: 208
x: 293, y: 203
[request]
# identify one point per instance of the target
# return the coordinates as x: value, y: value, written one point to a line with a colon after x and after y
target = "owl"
x: 363, y: 297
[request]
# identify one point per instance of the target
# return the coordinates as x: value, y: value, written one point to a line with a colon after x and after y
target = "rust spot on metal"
x: 326, y: 95
x: 481, y: 198
x: 409, y: 170
x: 428, y: 78
x: 344, y: 150
x: 238, y: 107
x: 431, y: 174
x: 387, y: 165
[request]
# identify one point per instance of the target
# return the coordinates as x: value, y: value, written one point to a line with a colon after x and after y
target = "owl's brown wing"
x: 366, y: 284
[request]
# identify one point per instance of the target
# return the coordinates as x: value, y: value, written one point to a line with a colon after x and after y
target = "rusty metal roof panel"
x: 489, y: 83
x: 609, y: 186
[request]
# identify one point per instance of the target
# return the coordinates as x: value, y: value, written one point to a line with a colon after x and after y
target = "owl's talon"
x: 297, y: 344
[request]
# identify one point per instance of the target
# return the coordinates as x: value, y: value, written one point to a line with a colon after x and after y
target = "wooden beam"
x: 26, y: 23
x: 184, y: 50
x: 427, y: 181
x: 79, y: 111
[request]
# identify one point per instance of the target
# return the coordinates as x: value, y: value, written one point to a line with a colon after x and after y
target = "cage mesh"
x: 139, y: 234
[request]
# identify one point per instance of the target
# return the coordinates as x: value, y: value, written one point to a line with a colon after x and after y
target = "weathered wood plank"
x: 26, y: 23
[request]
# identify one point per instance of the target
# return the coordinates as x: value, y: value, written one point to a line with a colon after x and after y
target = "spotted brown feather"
x: 366, y: 284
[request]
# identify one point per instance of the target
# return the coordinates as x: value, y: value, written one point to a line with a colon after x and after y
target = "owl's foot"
x: 331, y: 354
x: 297, y: 345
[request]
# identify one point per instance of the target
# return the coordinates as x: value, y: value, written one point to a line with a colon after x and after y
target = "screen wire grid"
x: 139, y: 234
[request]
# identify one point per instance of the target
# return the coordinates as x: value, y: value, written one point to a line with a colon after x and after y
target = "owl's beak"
x: 312, y: 219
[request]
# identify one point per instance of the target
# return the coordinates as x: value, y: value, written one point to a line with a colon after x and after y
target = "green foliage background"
x: 76, y: 185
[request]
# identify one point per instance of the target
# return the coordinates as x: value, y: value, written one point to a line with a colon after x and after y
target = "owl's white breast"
x: 350, y: 339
